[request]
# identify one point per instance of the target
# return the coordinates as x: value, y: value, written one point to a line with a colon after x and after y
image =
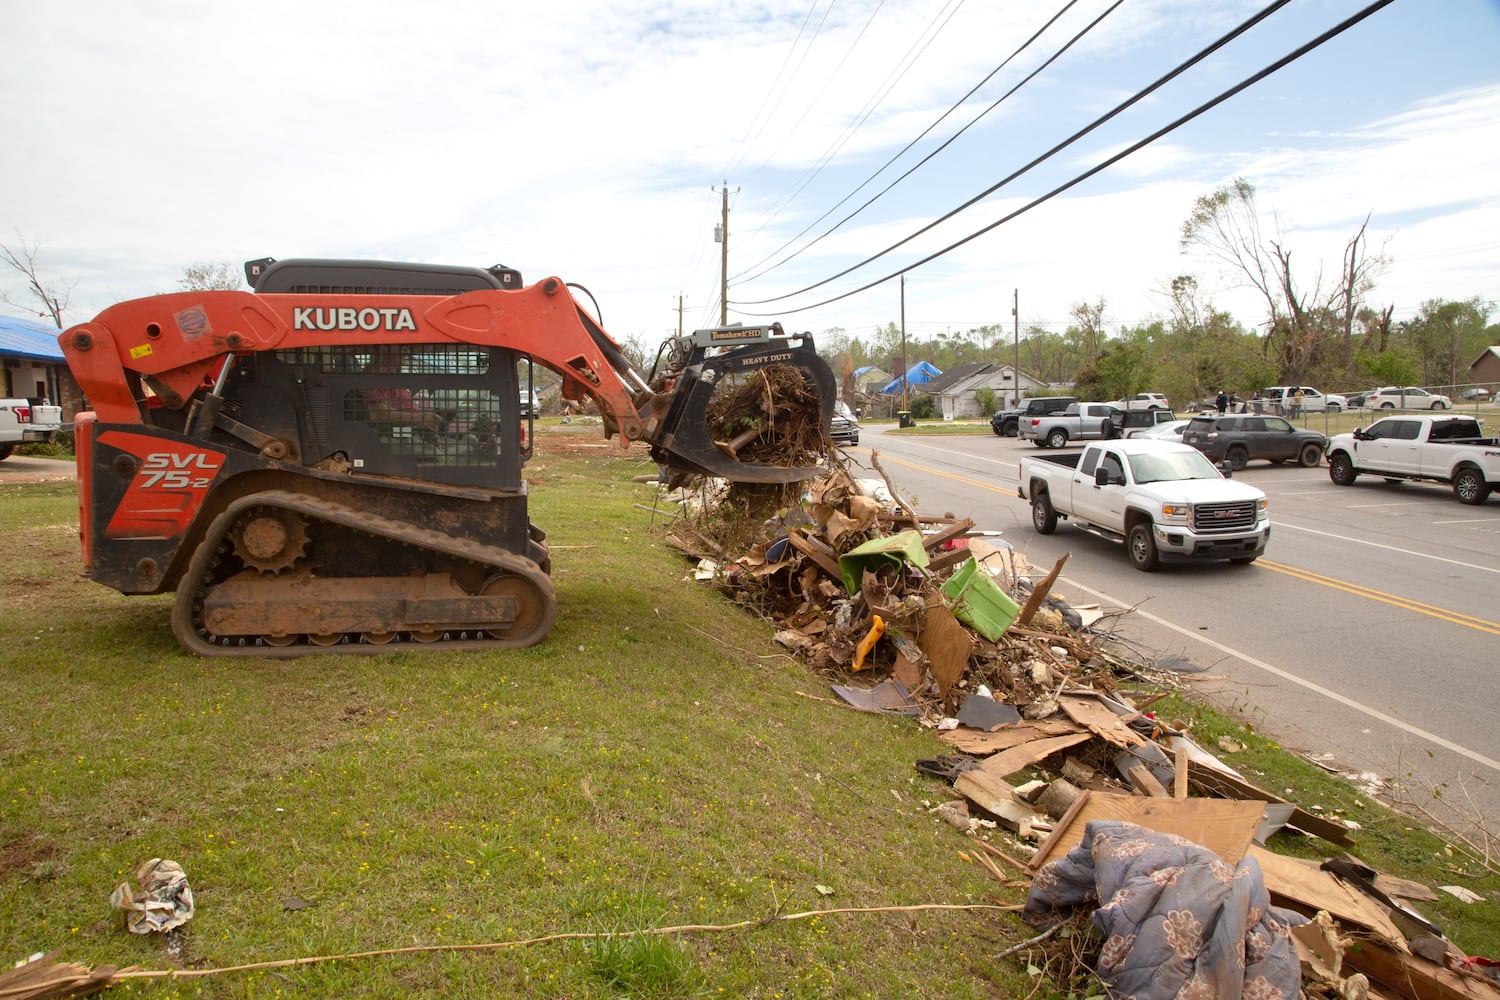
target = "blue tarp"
x: 25, y: 338
x: 917, y: 374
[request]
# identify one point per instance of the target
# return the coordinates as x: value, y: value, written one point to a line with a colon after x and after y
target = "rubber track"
x: 188, y: 628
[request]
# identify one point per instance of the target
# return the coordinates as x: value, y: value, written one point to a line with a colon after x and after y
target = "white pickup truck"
x: 1079, y: 422
x: 1450, y: 449
x: 22, y: 422
x: 1165, y: 500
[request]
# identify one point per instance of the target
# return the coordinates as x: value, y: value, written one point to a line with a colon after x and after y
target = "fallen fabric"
x: 1176, y: 920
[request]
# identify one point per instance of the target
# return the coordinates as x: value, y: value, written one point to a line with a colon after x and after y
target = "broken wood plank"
x: 816, y: 553
x: 1008, y: 762
x: 1224, y: 826
x: 1302, y: 886
x: 1215, y: 782
x: 1412, y: 975
x: 1040, y: 591
x: 1096, y: 717
x: 1180, y: 772
x: 1145, y: 782
x: 996, y: 797
x: 983, y: 744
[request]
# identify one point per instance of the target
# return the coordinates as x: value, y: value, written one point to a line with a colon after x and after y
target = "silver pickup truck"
x: 1164, y: 500
x: 1079, y: 422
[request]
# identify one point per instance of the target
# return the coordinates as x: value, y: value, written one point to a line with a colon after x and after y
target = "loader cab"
x: 446, y: 413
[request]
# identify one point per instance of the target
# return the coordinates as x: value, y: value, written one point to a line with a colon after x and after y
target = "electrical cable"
x: 1096, y: 123
x: 930, y: 35
x: 924, y: 133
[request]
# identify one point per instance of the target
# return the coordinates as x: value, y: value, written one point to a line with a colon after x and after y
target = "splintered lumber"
x: 1302, y: 886
x: 1007, y: 762
x: 1212, y: 781
x: 1040, y: 591
x: 996, y: 797
x: 981, y: 744
x: 1095, y: 716
x: 816, y: 552
x: 1145, y: 782
x: 1224, y: 826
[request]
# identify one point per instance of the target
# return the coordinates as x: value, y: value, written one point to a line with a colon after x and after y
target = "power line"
x: 1107, y: 116
x: 929, y: 35
x: 949, y: 141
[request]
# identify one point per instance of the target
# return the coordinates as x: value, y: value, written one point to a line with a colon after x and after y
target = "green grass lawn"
x: 654, y: 763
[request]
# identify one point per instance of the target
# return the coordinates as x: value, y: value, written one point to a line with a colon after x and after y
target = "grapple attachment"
x: 748, y: 404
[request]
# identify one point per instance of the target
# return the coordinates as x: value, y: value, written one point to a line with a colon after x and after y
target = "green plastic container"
x: 979, y: 602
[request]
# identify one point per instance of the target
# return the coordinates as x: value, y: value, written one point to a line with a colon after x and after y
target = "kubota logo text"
x: 349, y: 318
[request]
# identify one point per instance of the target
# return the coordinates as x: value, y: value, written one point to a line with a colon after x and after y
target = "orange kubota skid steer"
x: 334, y: 462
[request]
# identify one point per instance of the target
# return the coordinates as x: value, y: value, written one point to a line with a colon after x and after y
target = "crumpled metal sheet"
x: 164, y: 900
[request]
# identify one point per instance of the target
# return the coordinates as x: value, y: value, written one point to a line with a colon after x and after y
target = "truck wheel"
x: 1057, y: 438
x: 1238, y: 458
x: 1469, y: 486
x: 1142, y: 547
x: 5, y: 450
x: 1311, y: 457
x: 1043, y: 517
x: 1341, y: 470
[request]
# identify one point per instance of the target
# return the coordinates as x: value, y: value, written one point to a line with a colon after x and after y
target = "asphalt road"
x: 1368, y: 636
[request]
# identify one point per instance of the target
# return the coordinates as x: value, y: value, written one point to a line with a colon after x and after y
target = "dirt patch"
x: 25, y: 469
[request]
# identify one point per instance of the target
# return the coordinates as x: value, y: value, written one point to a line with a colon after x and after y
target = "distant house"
x: 34, y: 365
x: 870, y: 378
x: 956, y: 391
x: 918, y: 375
x: 1486, y: 367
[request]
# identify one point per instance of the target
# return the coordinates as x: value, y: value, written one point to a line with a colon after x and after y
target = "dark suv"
x: 1007, y: 423
x: 1238, y: 438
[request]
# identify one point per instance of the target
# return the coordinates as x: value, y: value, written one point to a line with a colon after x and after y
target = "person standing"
x: 1222, y: 401
x: 1297, y: 403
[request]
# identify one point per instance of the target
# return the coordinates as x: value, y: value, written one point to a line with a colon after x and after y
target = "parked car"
x: 1478, y: 394
x: 1282, y: 398
x: 1405, y: 397
x: 843, y: 428
x: 1241, y: 437
x: 1143, y: 401
x: 1130, y: 423
x: 1169, y: 431
x: 1356, y: 400
x: 1006, y: 423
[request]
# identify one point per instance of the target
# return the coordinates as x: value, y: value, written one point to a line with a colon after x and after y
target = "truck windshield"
x: 1171, y: 466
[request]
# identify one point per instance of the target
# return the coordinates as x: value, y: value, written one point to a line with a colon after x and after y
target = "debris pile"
x: 926, y: 617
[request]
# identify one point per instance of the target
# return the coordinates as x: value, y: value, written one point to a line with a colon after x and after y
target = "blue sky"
x: 592, y: 143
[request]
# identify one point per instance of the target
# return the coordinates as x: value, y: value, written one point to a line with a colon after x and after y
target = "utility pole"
x: 1015, y: 312
x: 721, y: 235
x: 904, y: 369
x: 679, y: 315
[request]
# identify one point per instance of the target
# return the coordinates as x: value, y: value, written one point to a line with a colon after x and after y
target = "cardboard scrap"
x: 947, y: 645
x: 1224, y: 826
